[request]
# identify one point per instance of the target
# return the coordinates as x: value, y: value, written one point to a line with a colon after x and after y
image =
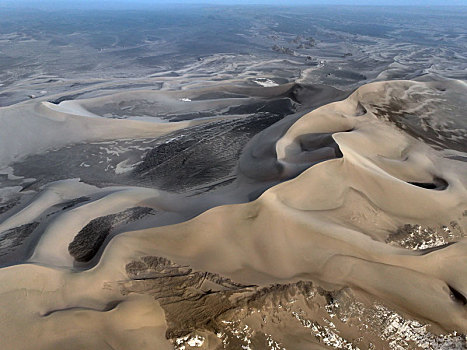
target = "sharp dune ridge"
x: 317, y: 228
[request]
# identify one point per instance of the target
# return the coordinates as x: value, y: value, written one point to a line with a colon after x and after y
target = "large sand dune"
x: 354, y: 239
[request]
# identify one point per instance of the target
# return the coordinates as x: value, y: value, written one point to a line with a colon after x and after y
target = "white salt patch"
x: 125, y: 167
x: 179, y: 341
x: 266, y: 82
x: 196, y: 341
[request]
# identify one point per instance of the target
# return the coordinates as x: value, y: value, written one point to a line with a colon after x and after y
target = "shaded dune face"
x: 357, y: 220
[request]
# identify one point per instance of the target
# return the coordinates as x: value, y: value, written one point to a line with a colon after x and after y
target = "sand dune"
x: 33, y: 128
x: 349, y: 182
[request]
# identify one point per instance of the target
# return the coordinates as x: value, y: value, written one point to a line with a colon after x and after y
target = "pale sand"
x: 327, y: 225
x: 32, y: 128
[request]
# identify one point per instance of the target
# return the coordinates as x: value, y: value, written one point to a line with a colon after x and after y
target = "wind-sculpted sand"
x: 340, y: 228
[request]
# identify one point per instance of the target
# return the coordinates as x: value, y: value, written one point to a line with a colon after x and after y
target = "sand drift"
x: 290, y: 216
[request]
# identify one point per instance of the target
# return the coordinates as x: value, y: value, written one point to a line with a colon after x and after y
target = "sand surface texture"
x: 343, y: 227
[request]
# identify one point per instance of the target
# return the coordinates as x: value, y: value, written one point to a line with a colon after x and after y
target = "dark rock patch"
x: 215, y: 95
x: 434, y: 249
x: 361, y: 110
x: 457, y: 296
x: 426, y: 239
x: 88, y: 241
x: 202, y: 154
x: 12, y: 239
x: 108, y: 307
x: 154, y: 267
x: 74, y: 202
x: 203, y: 305
x: 313, y: 142
x: 438, y: 184
x: 7, y: 206
x: 66, y: 98
x: 196, y: 300
x: 281, y: 106
x: 420, y: 126
x: 191, y: 300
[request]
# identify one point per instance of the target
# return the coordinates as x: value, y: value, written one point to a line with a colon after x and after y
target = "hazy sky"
x: 109, y: 4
